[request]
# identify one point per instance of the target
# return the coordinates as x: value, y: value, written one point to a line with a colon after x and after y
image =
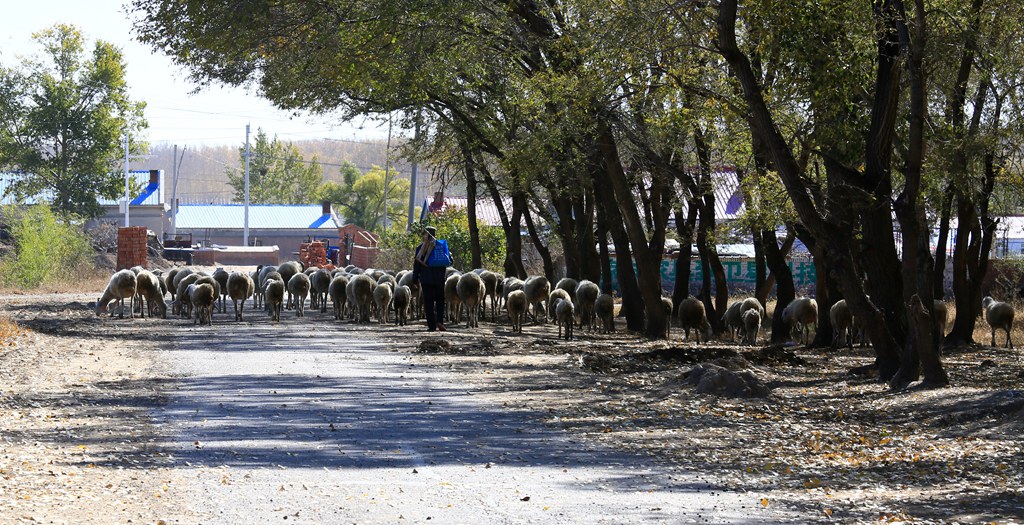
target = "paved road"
x: 281, y: 423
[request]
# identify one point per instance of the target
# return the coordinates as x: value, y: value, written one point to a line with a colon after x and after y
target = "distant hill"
x: 202, y: 176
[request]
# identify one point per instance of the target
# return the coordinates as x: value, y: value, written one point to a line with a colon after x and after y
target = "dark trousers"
x: 433, y: 305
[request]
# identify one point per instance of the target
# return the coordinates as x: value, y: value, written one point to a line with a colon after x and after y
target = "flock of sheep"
x: 360, y: 294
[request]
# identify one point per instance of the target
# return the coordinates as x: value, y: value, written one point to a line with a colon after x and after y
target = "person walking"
x: 430, y: 273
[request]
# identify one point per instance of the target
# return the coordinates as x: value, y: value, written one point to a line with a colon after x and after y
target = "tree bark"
x: 684, y: 230
x: 538, y: 243
x: 474, y: 228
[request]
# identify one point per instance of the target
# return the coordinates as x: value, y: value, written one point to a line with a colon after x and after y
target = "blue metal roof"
x: 152, y: 192
x: 261, y: 216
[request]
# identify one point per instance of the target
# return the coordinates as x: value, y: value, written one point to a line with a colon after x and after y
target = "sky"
x: 214, y: 116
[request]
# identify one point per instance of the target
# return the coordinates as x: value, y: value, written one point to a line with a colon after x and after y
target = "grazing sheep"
x: 274, y: 295
x: 666, y: 303
x: 147, y: 289
x: 471, y: 290
x: 240, y: 287
x: 298, y: 289
x: 733, y: 317
x: 566, y: 316
x: 509, y: 285
x: 221, y: 276
x: 168, y: 280
x: 182, y: 304
x: 558, y: 294
x: 586, y: 294
x: 490, y: 280
x: 693, y: 316
x: 451, y: 296
x: 604, y: 307
x: 361, y: 295
x: 842, y: 324
x: 751, y: 324
x: 121, y: 286
x: 203, y: 297
x: 516, y: 304
x: 799, y: 315
x: 175, y: 277
x: 401, y: 300
x: 569, y: 285
x: 998, y: 315
x: 320, y: 282
x: 537, y: 289
x: 416, y: 302
x: 382, y: 295
x: 261, y: 283
x: 337, y: 293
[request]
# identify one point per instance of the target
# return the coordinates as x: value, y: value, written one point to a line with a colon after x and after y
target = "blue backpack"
x: 440, y: 257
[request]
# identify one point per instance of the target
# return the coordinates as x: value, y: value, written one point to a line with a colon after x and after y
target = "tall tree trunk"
x: 471, y: 197
x: 684, y: 230
x: 565, y: 227
x: 941, y: 246
x: 775, y: 258
x: 605, y: 281
x: 646, y: 253
x: 583, y: 210
x: 538, y: 243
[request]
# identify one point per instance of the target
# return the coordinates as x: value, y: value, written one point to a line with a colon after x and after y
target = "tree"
x: 63, y: 116
x: 362, y: 197
x: 277, y: 173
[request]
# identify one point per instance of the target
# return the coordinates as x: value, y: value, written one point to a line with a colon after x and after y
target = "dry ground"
x: 78, y: 446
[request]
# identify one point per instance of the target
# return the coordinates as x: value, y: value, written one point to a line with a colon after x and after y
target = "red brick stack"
x: 131, y: 247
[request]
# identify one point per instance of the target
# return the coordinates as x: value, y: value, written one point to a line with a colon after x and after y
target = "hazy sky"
x: 214, y: 116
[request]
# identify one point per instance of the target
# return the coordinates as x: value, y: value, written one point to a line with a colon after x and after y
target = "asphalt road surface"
x: 319, y: 423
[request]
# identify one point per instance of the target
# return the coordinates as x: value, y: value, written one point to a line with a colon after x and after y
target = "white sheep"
x: 471, y: 291
x: 298, y: 289
x: 537, y: 289
x: 998, y: 315
x: 203, y: 297
x: 150, y: 294
x: 121, y: 286
x: 320, y: 283
x: 401, y: 300
x: 337, y: 291
x: 751, y: 325
x: 842, y: 324
x: 274, y: 294
x: 586, y: 294
x: 240, y: 287
x: 566, y: 317
x: 558, y: 294
x: 799, y: 315
x: 516, y: 305
x: 382, y: 299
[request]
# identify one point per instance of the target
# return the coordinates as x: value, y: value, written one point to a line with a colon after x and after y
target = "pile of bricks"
x: 131, y: 247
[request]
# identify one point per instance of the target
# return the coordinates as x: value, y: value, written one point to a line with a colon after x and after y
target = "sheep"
x: 998, y: 315
x: 490, y: 280
x: 240, y: 287
x: 692, y: 315
x: 168, y: 281
x: 288, y: 269
x: 604, y: 307
x: 558, y: 294
x: 182, y: 304
x: 471, y: 290
x: 842, y: 324
x: 415, y: 300
x: 451, y: 296
x: 569, y: 285
x: 799, y: 315
x: 150, y: 296
x: 666, y: 303
x: 516, y: 305
x: 940, y: 314
x: 586, y: 294
x: 261, y: 283
x: 566, y: 316
x: 221, y: 276
x: 321, y: 284
x: 121, y: 286
x: 337, y: 293
x: 537, y: 289
x: 401, y: 300
x: 733, y: 317
x: 361, y: 295
x: 382, y: 295
x: 175, y: 277
x: 509, y: 285
x: 203, y: 297
x: 274, y: 295
x: 298, y: 288
x: 751, y: 324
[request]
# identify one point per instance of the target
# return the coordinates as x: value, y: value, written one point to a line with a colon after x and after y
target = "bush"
x: 47, y: 247
x: 399, y: 247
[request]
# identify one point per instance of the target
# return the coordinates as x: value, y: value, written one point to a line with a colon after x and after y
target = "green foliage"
x: 452, y: 225
x: 361, y: 197
x: 63, y: 116
x: 277, y: 173
x: 48, y: 247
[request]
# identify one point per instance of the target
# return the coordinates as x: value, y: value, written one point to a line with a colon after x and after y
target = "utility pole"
x: 127, y: 203
x: 174, y: 188
x: 387, y: 169
x: 245, y: 234
x: 412, y: 177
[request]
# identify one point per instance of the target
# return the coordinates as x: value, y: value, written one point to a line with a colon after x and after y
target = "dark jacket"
x: 424, y: 274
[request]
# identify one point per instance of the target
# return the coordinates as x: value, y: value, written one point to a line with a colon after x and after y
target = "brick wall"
x: 131, y: 247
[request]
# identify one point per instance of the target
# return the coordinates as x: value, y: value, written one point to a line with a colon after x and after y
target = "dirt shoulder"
x: 78, y: 445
